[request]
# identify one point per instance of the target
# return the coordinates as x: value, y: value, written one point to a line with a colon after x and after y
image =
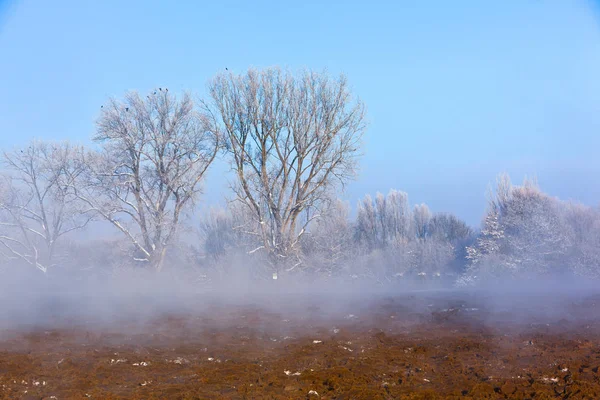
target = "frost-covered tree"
x: 291, y: 140
x: 448, y: 228
x: 385, y: 221
x: 37, y: 209
x: 327, y: 247
x: 422, y: 218
x: 154, y: 154
x: 226, y: 230
x: 366, y: 223
x: 524, y: 232
x: 535, y: 230
x: 217, y: 231
x: 490, y: 237
x: 398, y: 242
x: 584, y: 255
x: 398, y: 215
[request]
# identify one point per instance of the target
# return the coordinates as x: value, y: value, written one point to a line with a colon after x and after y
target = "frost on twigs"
x: 291, y: 139
x: 154, y: 154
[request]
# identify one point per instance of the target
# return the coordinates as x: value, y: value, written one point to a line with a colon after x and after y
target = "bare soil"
x: 404, y: 347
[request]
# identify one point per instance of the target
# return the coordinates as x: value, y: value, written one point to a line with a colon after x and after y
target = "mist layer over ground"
x: 289, y: 341
x: 143, y: 296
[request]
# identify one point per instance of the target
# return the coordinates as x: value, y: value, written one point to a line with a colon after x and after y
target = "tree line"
x: 293, y: 141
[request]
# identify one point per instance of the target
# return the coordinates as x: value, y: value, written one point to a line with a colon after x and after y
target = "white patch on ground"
x: 179, y: 360
x: 141, y: 364
x: 549, y: 380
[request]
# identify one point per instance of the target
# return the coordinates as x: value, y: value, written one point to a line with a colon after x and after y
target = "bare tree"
x: 37, y: 207
x: 155, y: 152
x: 292, y: 139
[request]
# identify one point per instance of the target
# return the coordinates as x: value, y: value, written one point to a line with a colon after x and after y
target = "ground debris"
x: 289, y: 373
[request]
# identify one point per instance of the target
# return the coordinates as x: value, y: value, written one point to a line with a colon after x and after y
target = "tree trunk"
x: 158, y: 259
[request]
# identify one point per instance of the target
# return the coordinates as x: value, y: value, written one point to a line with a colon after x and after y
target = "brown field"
x: 418, y: 346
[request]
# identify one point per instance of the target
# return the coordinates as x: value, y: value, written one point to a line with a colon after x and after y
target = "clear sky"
x: 457, y: 91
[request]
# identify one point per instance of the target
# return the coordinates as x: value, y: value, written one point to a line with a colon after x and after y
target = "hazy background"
x: 456, y: 91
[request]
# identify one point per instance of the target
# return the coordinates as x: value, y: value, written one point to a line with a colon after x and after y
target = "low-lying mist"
x: 131, y: 301
x: 284, y: 242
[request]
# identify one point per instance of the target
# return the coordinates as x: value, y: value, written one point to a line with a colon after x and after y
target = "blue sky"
x: 456, y: 91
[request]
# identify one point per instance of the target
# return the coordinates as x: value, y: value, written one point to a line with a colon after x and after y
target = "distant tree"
x: 422, y: 218
x: 217, y: 230
x: 398, y: 215
x: 154, y: 154
x: 536, y: 233
x: 367, y: 223
x: 292, y: 139
x: 400, y: 242
x: 385, y: 221
x: 36, y: 206
x: 454, y: 235
x: 524, y: 232
x: 328, y: 243
x: 584, y: 255
x: 226, y: 230
x: 430, y: 258
x: 447, y: 227
x: 380, y: 218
